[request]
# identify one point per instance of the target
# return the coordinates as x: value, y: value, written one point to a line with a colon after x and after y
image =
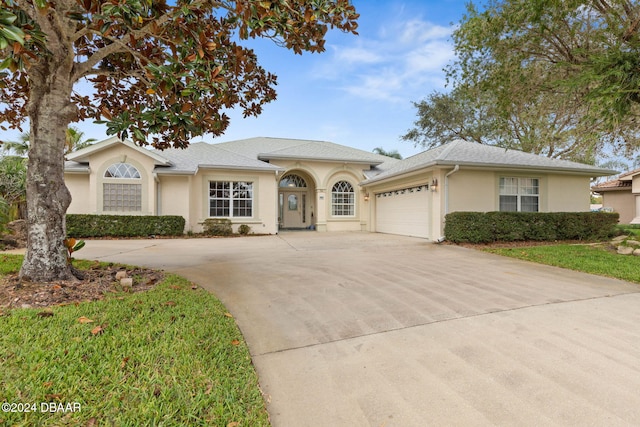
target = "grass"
x: 589, y: 259
x: 171, y: 356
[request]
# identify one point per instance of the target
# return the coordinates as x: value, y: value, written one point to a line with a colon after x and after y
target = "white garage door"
x: 403, y: 211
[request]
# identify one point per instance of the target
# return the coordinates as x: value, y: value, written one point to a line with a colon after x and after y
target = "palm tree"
x: 393, y: 153
x: 19, y: 148
x: 74, y: 142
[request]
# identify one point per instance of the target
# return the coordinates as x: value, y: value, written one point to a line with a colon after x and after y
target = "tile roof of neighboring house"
x: 466, y: 153
x: 622, y: 182
x: 614, y: 184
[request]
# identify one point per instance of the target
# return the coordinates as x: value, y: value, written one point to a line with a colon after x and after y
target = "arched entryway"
x: 296, y: 201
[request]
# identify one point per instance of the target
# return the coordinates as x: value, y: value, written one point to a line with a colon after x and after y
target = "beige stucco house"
x: 272, y: 184
x: 622, y: 195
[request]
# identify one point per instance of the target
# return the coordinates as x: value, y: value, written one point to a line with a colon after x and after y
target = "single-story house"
x: 272, y: 184
x: 622, y: 195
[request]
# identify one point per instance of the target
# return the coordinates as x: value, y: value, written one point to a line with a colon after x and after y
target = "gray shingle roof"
x: 303, y: 149
x: 203, y: 155
x: 466, y: 153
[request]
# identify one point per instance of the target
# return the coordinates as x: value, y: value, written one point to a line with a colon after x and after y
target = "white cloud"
x: 403, y: 61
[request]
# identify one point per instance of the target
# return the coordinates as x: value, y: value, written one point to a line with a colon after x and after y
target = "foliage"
x: 160, y: 69
x: 4, y: 214
x: 125, y: 374
x: 487, y: 227
x: 74, y: 140
x: 550, y: 77
x: 244, y: 229
x: 392, y: 153
x: 589, y: 259
x: 81, y: 225
x: 217, y: 227
x: 13, y: 176
x: 72, y: 246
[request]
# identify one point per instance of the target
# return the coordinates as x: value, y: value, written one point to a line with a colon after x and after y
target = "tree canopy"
x: 556, y: 77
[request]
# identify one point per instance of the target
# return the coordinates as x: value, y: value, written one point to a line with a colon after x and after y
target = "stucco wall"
x: 78, y: 185
x: 566, y: 193
x: 264, y: 219
x: 621, y: 201
x: 174, y: 196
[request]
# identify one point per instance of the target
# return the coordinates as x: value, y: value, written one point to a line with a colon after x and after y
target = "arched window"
x: 343, y: 200
x: 122, y: 170
x: 118, y: 196
x: 293, y: 180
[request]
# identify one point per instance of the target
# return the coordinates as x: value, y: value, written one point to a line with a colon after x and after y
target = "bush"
x: 124, y: 225
x: 479, y: 227
x: 217, y: 227
x: 244, y: 229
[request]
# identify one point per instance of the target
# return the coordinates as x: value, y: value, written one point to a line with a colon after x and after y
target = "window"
x: 122, y: 170
x: 230, y: 199
x: 519, y: 194
x: 293, y: 180
x: 342, y: 199
x: 122, y: 196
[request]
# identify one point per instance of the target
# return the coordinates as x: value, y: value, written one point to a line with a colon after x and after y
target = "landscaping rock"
x: 126, y: 282
x: 636, y: 252
x: 619, y: 239
x: 121, y: 275
x: 633, y: 243
x: 625, y: 250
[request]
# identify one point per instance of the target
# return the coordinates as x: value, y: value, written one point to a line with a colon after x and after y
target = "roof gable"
x: 82, y: 155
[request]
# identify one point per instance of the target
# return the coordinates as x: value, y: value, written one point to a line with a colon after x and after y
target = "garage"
x: 404, y: 211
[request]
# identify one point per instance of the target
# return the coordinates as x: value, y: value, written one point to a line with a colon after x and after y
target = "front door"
x: 293, y: 208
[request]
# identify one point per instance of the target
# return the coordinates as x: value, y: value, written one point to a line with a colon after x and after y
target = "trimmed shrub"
x: 124, y: 225
x: 479, y: 227
x: 217, y: 227
x: 244, y: 229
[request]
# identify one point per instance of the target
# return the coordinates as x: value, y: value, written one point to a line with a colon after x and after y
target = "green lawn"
x: 171, y: 356
x: 590, y: 259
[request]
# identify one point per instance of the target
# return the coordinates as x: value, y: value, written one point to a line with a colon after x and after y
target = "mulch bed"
x: 98, y: 281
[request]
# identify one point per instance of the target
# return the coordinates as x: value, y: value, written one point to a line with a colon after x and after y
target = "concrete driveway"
x: 360, y: 329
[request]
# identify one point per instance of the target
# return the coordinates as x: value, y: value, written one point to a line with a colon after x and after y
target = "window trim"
x: 231, y: 205
x: 519, y: 194
x: 349, y: 204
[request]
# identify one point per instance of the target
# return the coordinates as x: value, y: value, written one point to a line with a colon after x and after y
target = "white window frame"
x: 520, y: 187
x: 125, y: 179
x: 231, y: 192
x: 343, y: 201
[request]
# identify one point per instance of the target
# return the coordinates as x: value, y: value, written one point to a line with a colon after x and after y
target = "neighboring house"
x: 272, y: 184
x: 622, y: 195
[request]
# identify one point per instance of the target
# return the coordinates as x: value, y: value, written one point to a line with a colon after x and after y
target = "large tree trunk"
x: 48, y: 198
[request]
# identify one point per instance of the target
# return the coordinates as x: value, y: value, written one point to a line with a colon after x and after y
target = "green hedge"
x: 124, y: 225
x: 487, y: 227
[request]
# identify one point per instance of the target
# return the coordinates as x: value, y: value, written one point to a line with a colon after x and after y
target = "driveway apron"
x: 363, y: 329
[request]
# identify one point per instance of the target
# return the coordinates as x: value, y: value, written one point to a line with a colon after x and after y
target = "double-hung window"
x: 343, y: 200
x: 519, y: 194
x: 230, y: 199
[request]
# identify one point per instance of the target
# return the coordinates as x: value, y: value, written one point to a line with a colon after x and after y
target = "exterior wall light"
x: 434, y: 184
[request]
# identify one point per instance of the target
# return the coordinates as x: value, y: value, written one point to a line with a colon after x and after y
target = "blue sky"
x: 360, y: 91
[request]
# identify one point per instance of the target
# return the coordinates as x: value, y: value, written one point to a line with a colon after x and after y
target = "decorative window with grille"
x: 343, y: 200
x: 519, y: 194
x: 229, y: 199
x: 121, y: 196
